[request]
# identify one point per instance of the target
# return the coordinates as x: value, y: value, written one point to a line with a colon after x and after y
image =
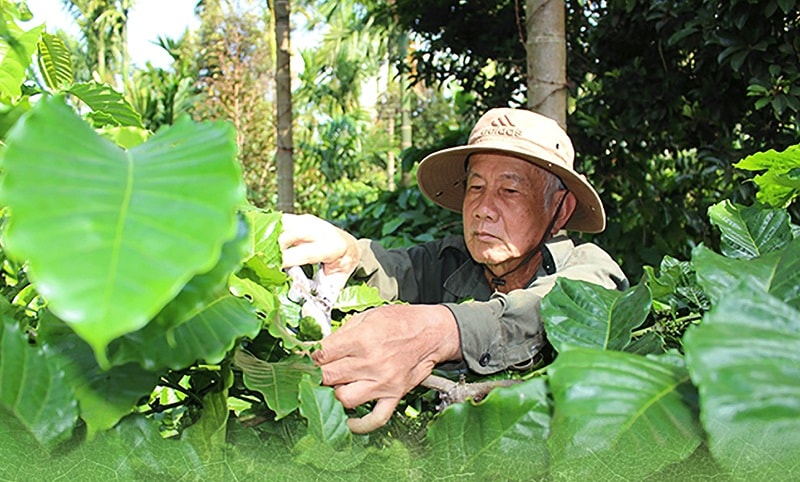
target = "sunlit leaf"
x: 265, y: 227
x: 358, y: 298
x: 485, y: 441
x: 278, y: 382
x: 779, y: 184
x: 55, y: 61
x: 33, y: 388
x: 750, y: 232
x: 112, y: 236
x: 618, y: 413
x: 125, y: 137
x: 582, y: 314
x: 745, y: 359
x: 16, y: 53
x: 105, y: 101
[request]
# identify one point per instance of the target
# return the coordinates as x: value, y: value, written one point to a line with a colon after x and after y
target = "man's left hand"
x: 383, y: 353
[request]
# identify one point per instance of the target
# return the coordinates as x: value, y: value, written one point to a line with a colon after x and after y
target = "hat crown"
x: 528, y: 131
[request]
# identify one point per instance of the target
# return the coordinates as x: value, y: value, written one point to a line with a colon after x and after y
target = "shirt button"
x: 485, y: 359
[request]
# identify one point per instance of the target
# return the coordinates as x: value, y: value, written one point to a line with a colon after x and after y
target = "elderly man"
x: 474, y: 299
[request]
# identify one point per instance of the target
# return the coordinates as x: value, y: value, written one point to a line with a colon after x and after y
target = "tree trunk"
x: 283, y: 99
x: 405, y: 111
x: 547, y: 58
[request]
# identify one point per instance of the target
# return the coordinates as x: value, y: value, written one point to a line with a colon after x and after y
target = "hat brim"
x: 441, y: 178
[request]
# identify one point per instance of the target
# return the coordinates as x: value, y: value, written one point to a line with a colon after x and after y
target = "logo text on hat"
x: 500, y: 126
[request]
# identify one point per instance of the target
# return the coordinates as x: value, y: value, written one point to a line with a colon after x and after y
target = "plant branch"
x: 461, y: 391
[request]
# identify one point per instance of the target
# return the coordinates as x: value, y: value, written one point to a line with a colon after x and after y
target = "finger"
x: 342, y: 371
x: 301, y: 254
x: 339, y: 345
x: 359, y: 392
x: 377, y: 418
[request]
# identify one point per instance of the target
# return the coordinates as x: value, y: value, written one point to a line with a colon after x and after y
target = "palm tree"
x: 104, y: 25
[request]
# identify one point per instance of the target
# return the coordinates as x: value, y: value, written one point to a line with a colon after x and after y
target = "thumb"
x: 376, y: 419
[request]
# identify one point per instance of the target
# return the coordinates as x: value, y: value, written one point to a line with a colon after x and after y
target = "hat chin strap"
x: 498, y: 281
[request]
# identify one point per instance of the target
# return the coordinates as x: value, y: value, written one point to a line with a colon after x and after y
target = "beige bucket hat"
x: 523, y: 134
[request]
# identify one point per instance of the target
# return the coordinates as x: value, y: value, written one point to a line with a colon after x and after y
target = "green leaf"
x: 207, y: 435
x: 104, y: 100
x: 745, y: 360
x: 125, y: 137
x: 104, y: 396
x: 618, y: 413
x: 327, y: 421
x: 265, y: 228
x: 750, y: 232
x: 278, y: 382
x: 487, y: 440
x: 777, y: 273
x: 583, y: 314
x: 208, y: 336
x: 16, y: 53
x: 133, y: 450
x: 55, y: 61
x: 676, y: 286
x: 33, y: 388
x: 358, y: 298
x: 777, y: 186
x: 112, y: 236
x: 269, y: 307
x: 206, y: 287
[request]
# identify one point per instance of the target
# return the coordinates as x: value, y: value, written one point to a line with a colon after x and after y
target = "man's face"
x: 503, y: 209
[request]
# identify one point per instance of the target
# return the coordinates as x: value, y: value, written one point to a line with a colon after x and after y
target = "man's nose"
x: 486, y: 208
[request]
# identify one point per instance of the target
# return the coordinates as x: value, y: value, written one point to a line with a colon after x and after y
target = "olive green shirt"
x: 497, y: 330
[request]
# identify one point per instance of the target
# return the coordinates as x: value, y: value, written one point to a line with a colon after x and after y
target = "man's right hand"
x: 307, y: 239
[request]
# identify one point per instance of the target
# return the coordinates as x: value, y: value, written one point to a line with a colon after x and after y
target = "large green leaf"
x: 582, y: 314
x: 503, y: 437
x: 55, y: 61
x: 618, y: 415
x: 111, y: 106
x: 278, y: 382
x: 33, y: 388
x: 750, y: 232
x: 208, y: 336
x: 745, y: 359
x: 104, y: 396
x: 206, y: 287
x: 112, y: 236
x: 16, y: 52
x: 777, y: 273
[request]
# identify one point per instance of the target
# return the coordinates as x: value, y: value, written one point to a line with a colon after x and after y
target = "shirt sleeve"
x: 507, y: 330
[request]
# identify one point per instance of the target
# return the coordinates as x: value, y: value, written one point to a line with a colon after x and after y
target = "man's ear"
x: 567, y: 208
